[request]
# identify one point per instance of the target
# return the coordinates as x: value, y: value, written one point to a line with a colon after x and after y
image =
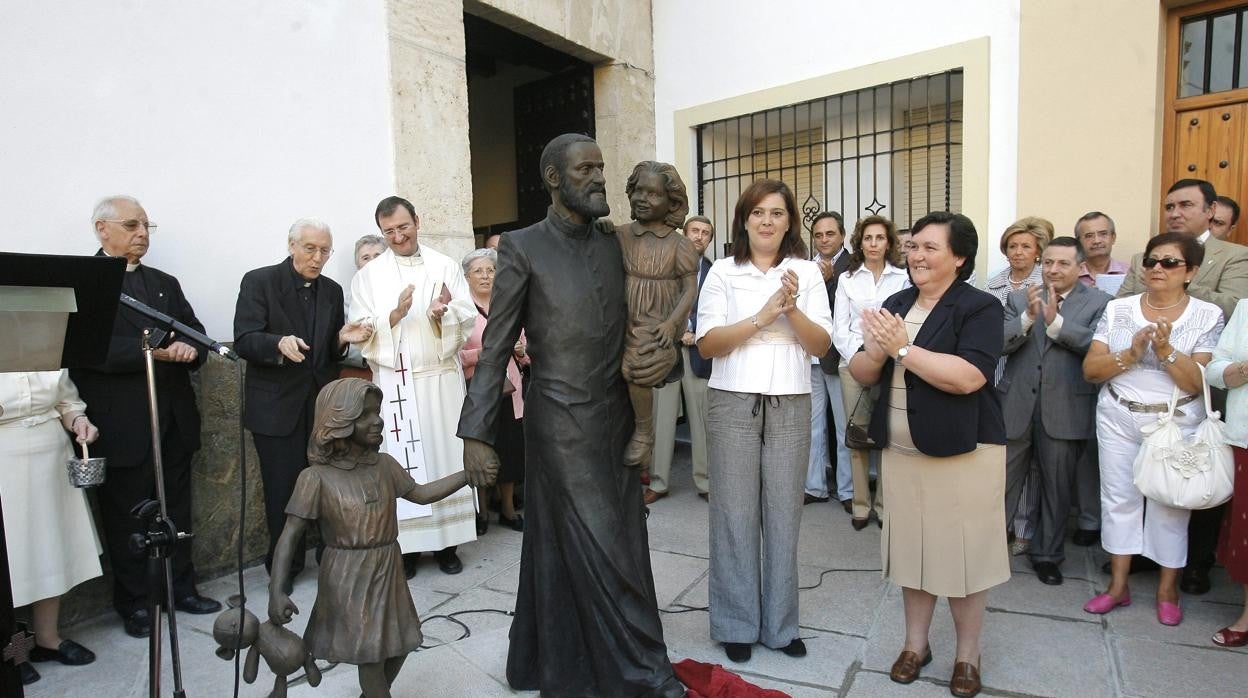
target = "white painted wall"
x: 709, y: 50
x: 227, y: 120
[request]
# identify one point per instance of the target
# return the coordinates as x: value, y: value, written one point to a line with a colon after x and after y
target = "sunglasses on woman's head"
x: 1166, y: 263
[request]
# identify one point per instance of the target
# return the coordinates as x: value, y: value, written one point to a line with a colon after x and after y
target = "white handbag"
x: 1195, y: 473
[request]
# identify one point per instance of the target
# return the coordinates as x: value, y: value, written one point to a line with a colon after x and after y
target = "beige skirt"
x: 944, y: 527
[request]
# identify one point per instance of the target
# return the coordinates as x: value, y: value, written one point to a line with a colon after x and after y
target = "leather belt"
x: 1134, y: 406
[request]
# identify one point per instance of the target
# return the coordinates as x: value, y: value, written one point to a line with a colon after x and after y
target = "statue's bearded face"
x: 583, y: 188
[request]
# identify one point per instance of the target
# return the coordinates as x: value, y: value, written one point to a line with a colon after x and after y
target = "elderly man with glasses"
x: 288, y: 325
x: 116, y: 395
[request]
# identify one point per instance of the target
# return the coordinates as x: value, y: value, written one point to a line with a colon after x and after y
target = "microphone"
x: 182, y: 329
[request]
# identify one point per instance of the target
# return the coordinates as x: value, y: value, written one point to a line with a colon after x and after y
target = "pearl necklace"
x: 1168, y: 307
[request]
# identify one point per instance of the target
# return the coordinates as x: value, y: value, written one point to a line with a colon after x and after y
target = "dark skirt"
x: 1233, y: 547
x: 509, y: 444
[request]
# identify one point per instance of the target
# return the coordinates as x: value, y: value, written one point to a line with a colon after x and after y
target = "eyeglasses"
x: 1166, y: 263
x: 313, y: 250
x: 131, y: 224
x: 391, y: 232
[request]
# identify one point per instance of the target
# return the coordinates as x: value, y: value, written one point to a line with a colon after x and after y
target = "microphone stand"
x: 161, y: 532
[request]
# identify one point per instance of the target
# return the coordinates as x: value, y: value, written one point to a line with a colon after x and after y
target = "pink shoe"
x: 1104, y: 603
x: 1169, y: 613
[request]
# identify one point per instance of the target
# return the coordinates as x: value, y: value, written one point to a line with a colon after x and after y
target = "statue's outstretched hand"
x: 281, y: 608
x: 480, y: 463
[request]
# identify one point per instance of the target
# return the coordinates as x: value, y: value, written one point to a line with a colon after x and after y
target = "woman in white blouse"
x: 874, y: 274
x: 762, y: 314
x: 1144, y: 347
x: 52, y: 545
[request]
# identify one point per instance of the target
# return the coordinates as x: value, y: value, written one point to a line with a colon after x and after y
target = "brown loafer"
x: 965, y: 680
x: 651, y: 496
x: 906, y: 668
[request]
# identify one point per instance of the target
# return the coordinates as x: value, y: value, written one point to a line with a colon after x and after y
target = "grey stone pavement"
x: 1037, y: 640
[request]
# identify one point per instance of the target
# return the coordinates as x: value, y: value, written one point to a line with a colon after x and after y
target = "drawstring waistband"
x: 760, y: 405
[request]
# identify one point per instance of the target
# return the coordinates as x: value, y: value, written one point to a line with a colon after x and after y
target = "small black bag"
x: 858, y: 422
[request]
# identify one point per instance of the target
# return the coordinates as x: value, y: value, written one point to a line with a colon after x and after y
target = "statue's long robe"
x: 586, y: 621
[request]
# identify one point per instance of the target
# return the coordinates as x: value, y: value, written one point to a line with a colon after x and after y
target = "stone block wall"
x: 215, y: 489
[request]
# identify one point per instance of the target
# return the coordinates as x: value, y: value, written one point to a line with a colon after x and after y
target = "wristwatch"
x: 1172, y: 357
x: 902, y: 353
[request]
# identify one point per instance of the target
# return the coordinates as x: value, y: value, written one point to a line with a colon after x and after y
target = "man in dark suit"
x: 692, y: 385
x: 1049, y: 409
x: 828, y: 234
x: 288, y: 325
x: 116, y: 396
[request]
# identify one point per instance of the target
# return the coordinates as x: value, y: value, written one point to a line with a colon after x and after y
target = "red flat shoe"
x: 1231, y: 638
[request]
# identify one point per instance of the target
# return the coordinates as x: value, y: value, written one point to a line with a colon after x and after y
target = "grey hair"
x: 480, y: 253
x: 306, y: 223
x: 1091, y: 216
x: 106, y: 209
x: 369, y: 240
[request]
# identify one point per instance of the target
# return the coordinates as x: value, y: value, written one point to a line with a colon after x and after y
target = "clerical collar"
x: 567, y: 227
x: 129, y: 266
x: 299, y: 281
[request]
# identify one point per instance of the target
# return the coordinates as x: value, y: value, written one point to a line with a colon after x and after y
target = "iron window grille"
x: 893, y: 149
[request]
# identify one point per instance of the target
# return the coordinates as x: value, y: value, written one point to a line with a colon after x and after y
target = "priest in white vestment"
x: 422, y: 313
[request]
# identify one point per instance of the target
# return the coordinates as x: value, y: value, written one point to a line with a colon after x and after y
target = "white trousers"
x: 1130, y: 524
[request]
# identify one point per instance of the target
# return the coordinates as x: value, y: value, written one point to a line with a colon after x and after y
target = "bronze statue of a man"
x: 587, y: 622
x: 661, y: 285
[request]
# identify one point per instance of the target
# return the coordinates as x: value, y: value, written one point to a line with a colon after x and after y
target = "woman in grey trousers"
x: 762, y: 314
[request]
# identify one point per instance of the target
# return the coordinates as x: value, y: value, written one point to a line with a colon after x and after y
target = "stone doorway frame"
x: 429, y: 96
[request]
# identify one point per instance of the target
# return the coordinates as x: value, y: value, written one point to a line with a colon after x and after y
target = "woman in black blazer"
x: 934, y: 347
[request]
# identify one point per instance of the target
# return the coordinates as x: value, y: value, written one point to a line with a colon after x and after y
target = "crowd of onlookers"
x: 969, y: 424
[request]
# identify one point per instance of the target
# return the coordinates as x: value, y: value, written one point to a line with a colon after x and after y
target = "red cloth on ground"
x: 713, y: 681
x: 1233, y: 544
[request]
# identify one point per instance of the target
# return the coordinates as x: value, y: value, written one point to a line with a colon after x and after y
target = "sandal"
x: 1230, y: 638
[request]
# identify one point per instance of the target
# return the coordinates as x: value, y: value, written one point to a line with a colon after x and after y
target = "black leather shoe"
x: 69, y: 652
x: 812, y: 499
x: 1048, y: 572
x: 516, y: 523
x: 29, y: 675
x: 483, y: 524
x: 1086, y: 538
x: 848, y: 506
x: 738, y: 651
x: 859, y: 524
x: 449, y: 562
x: 796, y: 648
x: 1195, y: 581
x: 138, y: 623
x: 410, y: 561
x: 198, y: 605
